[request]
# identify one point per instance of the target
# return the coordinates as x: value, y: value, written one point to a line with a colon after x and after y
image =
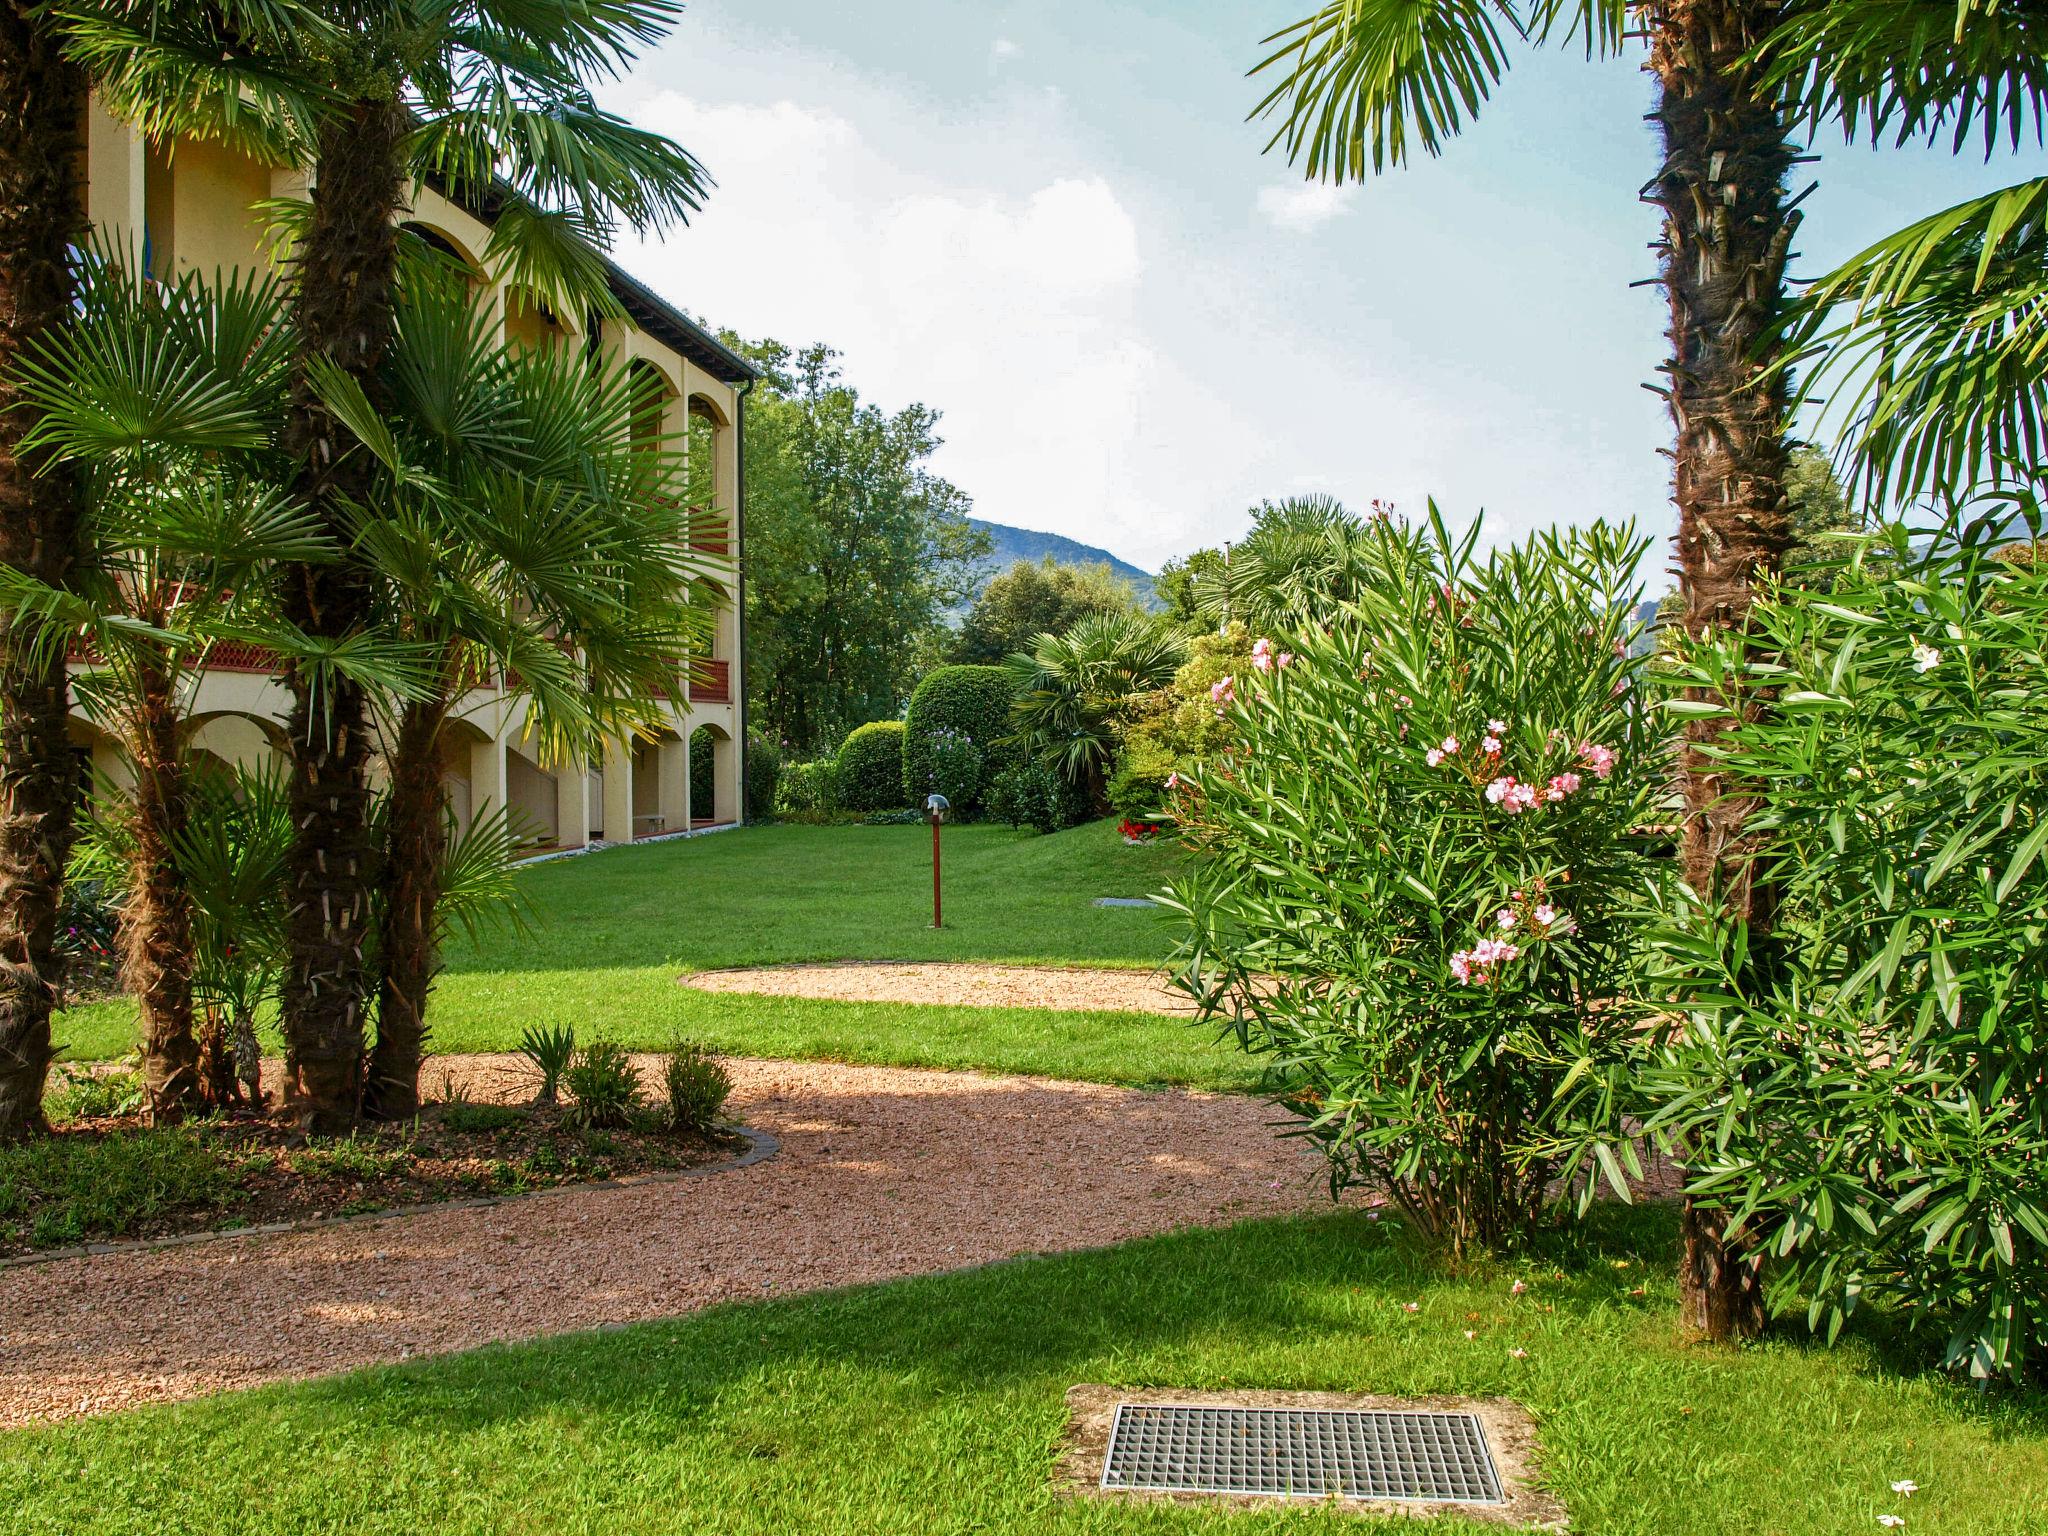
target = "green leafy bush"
x: 764, y: 772
x: 1138, y: 787
x: 1419, y: 875
x: 1863, y: 1087
x: 550, y: 1048
x: 605, y: 1086
x: 952, y: 705
x: 808, y: 791
x: 63, y: 1189
x: 871, y: 767
x: 78, y: 1093
x: 696, y: 1085
x: 1030, y: 794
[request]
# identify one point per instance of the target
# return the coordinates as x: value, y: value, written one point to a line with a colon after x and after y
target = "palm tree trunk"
x: 415, y: 842
x: 1727, y: 232
x: 345, y: 270
x: 156, y: 923
x: 42, y: 212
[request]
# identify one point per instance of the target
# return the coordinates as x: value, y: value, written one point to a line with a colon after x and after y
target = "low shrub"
x: 77, y: 1093
x: 952, y: 706
x: 808, y: 791
x: 1863, y: 1090
x: 82, y: 1186
x: 605, y: 1086
x: 764, y: 772
x: 1418, y: 889
x: 480, y: 1117
x: 870, y: 769
x: 1031, y: 794
x: 696, y: 1085
x: 350, y: 1157
x: 1137, y: 790
x: 551, y: 1048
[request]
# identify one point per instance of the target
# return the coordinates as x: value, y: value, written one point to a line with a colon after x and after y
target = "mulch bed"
x: 250, y: 1171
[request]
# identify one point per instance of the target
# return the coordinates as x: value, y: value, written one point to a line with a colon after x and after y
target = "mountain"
x: 1009, y: 545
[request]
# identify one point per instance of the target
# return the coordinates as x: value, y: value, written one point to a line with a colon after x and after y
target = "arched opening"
x: 709, y: 479
x: 531, y: 322
x: 535, y: 800
x: 462, y: 746
x: 714, y: 777
x: 448, y: 254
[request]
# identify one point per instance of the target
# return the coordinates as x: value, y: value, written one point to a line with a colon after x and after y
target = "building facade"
x: 196, y: 206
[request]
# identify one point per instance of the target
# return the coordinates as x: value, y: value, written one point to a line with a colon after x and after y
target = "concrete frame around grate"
x: 1510, y: 1437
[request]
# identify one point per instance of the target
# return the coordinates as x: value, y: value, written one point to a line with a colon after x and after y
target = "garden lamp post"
x: 935, y: 807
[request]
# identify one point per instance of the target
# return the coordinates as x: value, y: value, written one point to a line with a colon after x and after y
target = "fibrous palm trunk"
x: 156, y: 922
x: 345, y: 268
x: 42, y: 213
x: 1727, y: 233
x: 414, y: 847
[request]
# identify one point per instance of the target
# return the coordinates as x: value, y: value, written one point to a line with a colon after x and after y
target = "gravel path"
x: 884, y: 1172
x: 979, y: 986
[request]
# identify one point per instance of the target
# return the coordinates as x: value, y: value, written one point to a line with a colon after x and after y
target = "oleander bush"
x: 1864, y: 1087
x: 870, y: 773
x: 952, y: 706
x: 1419, y: 874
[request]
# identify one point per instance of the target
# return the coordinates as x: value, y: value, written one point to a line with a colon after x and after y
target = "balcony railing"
x: 710, y: 682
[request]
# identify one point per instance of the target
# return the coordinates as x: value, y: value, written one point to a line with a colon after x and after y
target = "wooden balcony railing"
x: 710, y: 682
x: 710, y: 534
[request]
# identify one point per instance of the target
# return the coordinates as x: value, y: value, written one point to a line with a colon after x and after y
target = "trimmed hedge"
x: 871, y: 767
x: 975, y: 702
x: 808, y: 791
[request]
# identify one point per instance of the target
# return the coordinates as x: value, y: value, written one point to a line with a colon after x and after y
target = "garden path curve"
x: 883, y: 1172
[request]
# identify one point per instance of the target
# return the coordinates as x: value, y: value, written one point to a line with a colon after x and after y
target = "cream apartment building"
x: 195, y: 208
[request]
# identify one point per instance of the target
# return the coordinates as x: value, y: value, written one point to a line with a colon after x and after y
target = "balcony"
x: 710, y: 682
x: 710, y: 534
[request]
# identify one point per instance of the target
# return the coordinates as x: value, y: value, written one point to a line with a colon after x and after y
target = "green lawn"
x: 935, y: 1405
x: 606, y: 935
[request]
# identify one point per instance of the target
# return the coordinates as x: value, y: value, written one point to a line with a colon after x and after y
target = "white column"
x: 572, y: 805
x: 488, y: 791
x: 116, y: 174
x: 672, y: 789
x: 618, y: 791
x: 725, y: 778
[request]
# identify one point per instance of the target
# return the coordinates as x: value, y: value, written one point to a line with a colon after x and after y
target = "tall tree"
x: 1366, y: 81
x: 42, y: 214
x: 491, y: 100
x: 855, y: 547
x: 1032, y: 598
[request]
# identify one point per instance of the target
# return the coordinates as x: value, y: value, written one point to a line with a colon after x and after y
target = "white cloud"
x: 1002, y: 50
x: 1304, y: 205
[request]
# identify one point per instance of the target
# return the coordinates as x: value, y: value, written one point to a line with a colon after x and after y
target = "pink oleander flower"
x: 1598, y: 758
x: 1499, y: 790
x: 1262, y: 654
x: 1505, y: 917
x: 1223, y: 691
x: 1434, y: 756
x: 1173, y: 781
x: 1545, y: 914
x: 1406, y: 702
x: 1560, y: 786
x: 1284, y: 659
x: 1925, y: 657
x: 1490, y: 745
x: 1449, y: 747
x: 1519, y: 798
x: 1496, y: 726
x: 1476, y: 965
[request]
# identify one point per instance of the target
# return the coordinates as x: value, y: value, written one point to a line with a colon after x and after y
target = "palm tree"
x: 1367, y: 80
x: 165, y: 401
x: 1303, y: 556
x: 489, y: 99
x: 527, y: 533
x: 42, y: 213
x: 1073, y: 690
x: 1929, y: 344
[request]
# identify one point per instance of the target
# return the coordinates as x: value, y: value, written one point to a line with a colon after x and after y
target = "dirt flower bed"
x: 111, y: 1177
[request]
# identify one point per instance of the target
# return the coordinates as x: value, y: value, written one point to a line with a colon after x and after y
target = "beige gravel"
x: 884, y: 1172
x: 979, y: 986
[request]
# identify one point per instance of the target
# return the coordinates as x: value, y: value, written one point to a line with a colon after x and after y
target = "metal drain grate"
x: 1304, y: 1452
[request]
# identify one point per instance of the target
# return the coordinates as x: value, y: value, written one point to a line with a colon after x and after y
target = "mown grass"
x: 605, y: 936
x: 935, y: 1405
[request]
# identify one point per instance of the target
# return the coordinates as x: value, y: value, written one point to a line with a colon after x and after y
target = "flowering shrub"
x: 870, y: 776
x: 1135, y: 831
x: 1178, y: 724
x: 952, y: 768
x: 1418, y: 869
x: 971, y: 704
x: 1864, y: 1088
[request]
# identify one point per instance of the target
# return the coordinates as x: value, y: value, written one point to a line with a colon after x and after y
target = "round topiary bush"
x: 973, y: 702
x: 871, y: 767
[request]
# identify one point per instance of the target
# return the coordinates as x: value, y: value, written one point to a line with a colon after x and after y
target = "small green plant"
x: 550, y: 1048
x: 1029, y: 794
x: 351, y: 1157
x: 605, y: 1084
x: 808, y: 791
x: 696, y: 1084
x: 480, y: 1117
x: 78, y: 1093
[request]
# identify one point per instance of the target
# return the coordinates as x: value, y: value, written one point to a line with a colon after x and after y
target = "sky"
x: 1051, y: 222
